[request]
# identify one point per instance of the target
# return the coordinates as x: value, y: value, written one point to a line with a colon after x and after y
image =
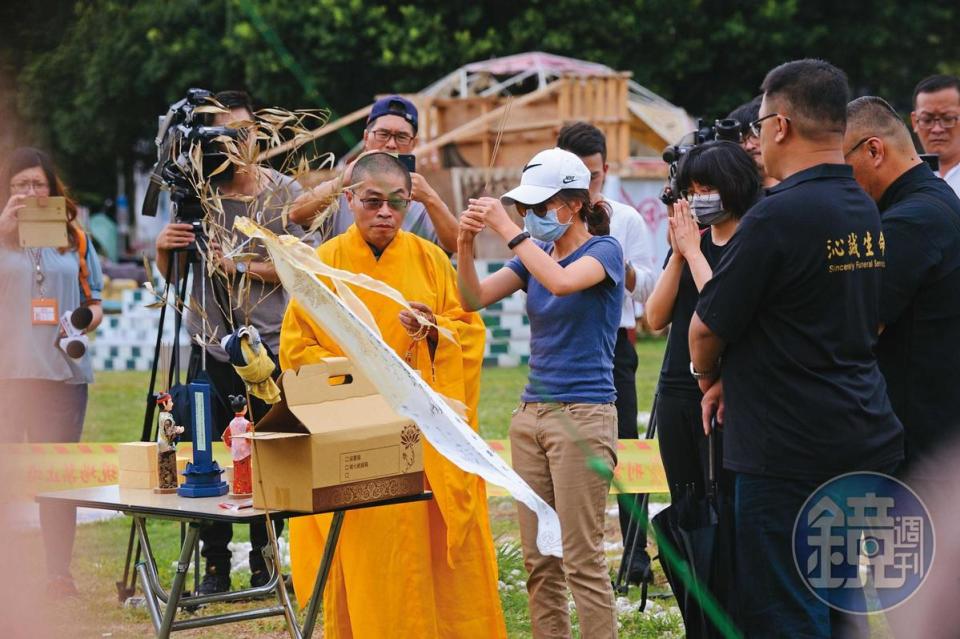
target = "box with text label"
x: 333, y: 441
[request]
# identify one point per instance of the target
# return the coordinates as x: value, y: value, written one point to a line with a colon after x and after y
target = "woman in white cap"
x: 563, y: 435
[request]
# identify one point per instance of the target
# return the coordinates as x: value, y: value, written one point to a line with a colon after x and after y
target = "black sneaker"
x: 259, y: 578
x: 640, y: 570
x: 214, y: 583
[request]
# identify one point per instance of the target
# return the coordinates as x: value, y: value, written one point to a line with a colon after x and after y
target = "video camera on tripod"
x: 190, y: 156
x: 183, y: 130
x: 727, y: 129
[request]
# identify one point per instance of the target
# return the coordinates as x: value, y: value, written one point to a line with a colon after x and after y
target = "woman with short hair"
x: 718, y: 183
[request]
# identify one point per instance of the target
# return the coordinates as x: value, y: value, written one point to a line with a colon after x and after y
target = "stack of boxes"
x: 139, y: 465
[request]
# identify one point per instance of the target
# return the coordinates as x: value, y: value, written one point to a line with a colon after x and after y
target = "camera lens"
x: 81, y: 318
x: 75, y: 349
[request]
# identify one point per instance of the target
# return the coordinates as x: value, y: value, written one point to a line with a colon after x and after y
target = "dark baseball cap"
x: 395, y: 105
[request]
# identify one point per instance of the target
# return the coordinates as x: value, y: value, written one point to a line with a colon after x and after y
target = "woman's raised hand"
x: 686, y: 233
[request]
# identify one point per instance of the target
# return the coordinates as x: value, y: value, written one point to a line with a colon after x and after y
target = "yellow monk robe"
x: 419, y: 570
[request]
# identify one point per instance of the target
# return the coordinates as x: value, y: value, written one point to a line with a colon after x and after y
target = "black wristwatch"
x: 519, y: 238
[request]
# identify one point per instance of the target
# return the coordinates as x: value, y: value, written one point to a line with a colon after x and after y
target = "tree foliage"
x: 92, y: 76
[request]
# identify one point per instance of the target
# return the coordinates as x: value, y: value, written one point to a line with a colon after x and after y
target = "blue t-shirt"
x: 572, y: 337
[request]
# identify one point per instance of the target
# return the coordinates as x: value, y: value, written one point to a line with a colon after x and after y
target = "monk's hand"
x: 414, y: 327
x: 493, y: 213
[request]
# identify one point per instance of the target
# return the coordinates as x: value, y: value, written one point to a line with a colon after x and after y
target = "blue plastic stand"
x: 202, y: 477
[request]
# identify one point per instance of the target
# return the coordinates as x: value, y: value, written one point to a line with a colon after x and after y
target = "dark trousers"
x: 683, y: 446
x: 625, y: 381
x: 775, y: 602
x: 40, y: 410
x: 217, y: 536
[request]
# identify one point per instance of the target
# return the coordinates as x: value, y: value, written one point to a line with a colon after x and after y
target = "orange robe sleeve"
x: 425, y: 569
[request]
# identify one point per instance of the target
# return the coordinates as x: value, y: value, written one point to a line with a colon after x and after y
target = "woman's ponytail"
x: 596, y: 216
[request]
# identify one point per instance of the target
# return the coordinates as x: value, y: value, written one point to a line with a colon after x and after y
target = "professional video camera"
x: 181, y: 131
x: 721, y: 130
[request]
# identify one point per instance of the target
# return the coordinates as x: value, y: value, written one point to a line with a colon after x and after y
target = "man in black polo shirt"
x: 793, y: 306
x: 919, y: 348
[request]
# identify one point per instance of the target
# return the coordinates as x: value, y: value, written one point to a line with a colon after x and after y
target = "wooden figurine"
x: 168, y: 433
x: 239, y: 448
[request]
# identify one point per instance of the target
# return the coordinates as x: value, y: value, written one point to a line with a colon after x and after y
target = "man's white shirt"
x: 628, y: 228
x: 952, y: 178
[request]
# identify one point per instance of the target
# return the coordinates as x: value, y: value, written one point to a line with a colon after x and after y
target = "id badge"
x: 43, y: 311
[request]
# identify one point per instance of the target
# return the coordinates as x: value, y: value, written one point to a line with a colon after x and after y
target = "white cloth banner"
x: 405, y: 391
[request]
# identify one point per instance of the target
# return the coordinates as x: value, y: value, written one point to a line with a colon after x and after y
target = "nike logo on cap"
x: 529, y: 166
x: 569, y: 179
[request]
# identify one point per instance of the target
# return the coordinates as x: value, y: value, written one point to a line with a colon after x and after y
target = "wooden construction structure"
x: 525, y: 99
x: 481, y: 123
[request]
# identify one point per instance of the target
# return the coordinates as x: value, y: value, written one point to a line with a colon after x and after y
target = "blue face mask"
x: 547, y: 228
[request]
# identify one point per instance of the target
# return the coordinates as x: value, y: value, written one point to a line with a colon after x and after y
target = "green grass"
x: 116, y: 407
x: 115, y: 414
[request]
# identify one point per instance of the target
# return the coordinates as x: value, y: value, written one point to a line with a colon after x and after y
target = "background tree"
x: 90, y: 77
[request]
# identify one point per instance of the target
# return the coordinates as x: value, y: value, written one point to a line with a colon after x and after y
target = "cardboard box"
x: 139, y: 479
x: 41, y: 226
x: 182, y: 461
x: 327, y: 445
x: 138, y: 456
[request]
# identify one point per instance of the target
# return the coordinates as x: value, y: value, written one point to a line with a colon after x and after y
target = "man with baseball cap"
x: 392, y: 127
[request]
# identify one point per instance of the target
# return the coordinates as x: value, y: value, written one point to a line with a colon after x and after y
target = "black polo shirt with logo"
x: 796, y: 298
x: 919, y: 350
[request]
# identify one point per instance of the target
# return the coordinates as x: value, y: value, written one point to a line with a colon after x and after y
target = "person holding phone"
x: 43, y: 390
x: 392, y: 127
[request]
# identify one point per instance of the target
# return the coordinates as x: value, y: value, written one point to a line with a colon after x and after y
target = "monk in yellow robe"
x: 422, y: 570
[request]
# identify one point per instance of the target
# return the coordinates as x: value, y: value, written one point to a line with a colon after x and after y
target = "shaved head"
x: 877, y: 145
x: 873, y: 116
x: 380, y: 164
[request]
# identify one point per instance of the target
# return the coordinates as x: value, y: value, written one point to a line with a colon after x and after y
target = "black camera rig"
x: 182, y: 130
x: 728, y: 129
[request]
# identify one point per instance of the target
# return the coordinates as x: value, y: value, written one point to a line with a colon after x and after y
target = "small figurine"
x: 239, y: 447
x: 168, y: 433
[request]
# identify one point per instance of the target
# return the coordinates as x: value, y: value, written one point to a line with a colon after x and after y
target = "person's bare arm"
x: 475, y: 294
x: 313, y: 201
x: 705, y: 349
x: 97, y: 309
x: 687, y: 236
x: 444, y: 222
x: 173, y: 237
x: 559, y: 280
x: 658, y: 309
x: 257, y: 269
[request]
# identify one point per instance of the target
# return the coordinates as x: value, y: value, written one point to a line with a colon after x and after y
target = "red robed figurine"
x: 239, y: 447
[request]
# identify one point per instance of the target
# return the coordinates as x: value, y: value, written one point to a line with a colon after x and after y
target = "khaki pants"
x: 551, y: 444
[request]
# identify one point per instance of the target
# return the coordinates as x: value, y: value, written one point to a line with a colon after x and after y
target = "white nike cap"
x: 547, y: 174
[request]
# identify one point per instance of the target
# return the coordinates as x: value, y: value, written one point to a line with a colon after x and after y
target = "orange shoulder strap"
x: 84, y: 274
